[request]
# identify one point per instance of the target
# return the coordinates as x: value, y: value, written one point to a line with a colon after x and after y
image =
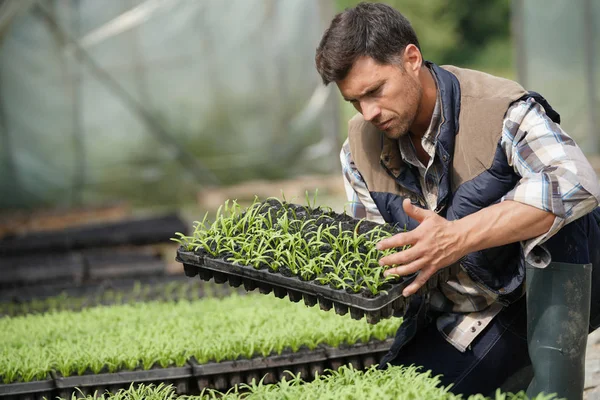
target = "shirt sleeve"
x: 359, y: 200
x: 555, y: 174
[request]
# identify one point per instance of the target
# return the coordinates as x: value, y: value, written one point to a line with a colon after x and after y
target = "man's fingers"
x: 417, y: 213
x: 402, y: 257
x: 398, y: 240
x: 404, y: 269
x: 419, y: 281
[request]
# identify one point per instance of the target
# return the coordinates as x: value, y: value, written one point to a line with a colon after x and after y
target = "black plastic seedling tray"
x: 32, y: 269
x: 103, y: 264
x: 384, y: 305
x: 16, y: 301
x: 307, y: 363
x: 224, y: 375
x: 221, y: 375
x: 27, y: 391
x: 87, y: 384
x: 136, y: 232
x: 359, y: 355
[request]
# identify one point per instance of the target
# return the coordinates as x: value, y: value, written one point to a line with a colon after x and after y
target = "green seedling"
x: 34, y: 345
x: 310, y: 247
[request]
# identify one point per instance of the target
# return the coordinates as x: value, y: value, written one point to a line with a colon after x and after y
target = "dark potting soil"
x: 286, y: 271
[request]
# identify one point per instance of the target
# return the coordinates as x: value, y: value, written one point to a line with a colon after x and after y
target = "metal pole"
x: 78, y: 132
x: 590, y: 68
x: 331, y: 124
x: 518, y: 36
x: 11, y: 174
x: 138, y: 62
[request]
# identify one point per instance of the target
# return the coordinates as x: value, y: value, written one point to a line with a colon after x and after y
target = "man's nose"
x: 370, y: 110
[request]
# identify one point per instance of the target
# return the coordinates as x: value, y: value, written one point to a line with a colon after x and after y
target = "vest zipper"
x: 413, y: 196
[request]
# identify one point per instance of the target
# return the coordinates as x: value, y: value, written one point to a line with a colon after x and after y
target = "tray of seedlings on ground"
x: 347, y: 383
x: 302, y: 252
x: 127, y: 291
x: 207, y: 343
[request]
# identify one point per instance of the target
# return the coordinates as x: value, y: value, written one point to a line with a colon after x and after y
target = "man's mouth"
x: 384, y: 125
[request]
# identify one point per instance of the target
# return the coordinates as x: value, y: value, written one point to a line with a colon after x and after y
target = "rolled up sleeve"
x: 359, y: 200
x: 555, y: 174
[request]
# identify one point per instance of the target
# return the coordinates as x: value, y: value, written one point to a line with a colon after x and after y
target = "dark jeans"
x: 501, y: 349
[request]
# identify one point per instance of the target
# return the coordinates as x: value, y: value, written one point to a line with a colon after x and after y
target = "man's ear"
x: 412, y: 59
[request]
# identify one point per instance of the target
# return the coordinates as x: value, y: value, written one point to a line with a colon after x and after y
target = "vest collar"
x: 449, y: 89
x: 391, y: 158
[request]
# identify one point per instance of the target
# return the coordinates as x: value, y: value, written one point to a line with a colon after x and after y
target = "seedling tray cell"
x: 178, y: 376
x: 27, y: 391
x: 384, y: 305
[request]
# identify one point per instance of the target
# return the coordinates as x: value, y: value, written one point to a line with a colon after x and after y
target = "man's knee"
x: 579, y: 243
x: 571, y: 244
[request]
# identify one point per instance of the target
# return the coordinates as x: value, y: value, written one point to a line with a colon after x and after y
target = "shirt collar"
x: 407, y: 150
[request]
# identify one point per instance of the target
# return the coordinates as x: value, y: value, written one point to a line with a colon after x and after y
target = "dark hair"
x: 369, y: 29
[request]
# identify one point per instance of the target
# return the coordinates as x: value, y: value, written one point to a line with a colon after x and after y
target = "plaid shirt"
x: 555, y: 177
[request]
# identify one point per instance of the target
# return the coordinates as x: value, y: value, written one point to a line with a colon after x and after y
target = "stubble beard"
x: 401, y: 123
x: 400, y: 127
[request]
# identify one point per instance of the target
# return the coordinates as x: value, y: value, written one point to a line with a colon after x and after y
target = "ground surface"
x: 592, y: 367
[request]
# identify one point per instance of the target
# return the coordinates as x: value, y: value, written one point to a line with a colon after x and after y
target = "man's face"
x: 386, y: 95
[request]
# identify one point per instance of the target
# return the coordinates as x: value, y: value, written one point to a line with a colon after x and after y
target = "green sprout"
x: 325, y: 247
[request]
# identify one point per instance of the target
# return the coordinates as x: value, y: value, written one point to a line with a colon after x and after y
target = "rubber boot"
x: 558, y: 314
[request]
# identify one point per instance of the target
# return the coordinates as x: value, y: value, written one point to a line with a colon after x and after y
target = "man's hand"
x: 435, y: 244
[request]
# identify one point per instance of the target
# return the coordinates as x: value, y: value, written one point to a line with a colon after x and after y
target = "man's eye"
x: 375, y: 92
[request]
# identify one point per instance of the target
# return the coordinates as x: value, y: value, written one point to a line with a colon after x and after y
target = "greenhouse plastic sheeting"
x: 559, y: 56
x: 151, y: 101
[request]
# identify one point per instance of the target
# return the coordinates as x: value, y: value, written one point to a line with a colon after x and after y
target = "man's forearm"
x: 500, y: 224
x: 437, y: 243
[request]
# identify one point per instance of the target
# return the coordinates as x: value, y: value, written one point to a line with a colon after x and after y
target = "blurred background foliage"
x: 469, y: 33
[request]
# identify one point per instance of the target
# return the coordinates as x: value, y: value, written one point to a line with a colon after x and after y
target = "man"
x: 480, y: 173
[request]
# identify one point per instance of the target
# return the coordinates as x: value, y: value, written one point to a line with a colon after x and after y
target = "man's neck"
x: 427, y: 105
